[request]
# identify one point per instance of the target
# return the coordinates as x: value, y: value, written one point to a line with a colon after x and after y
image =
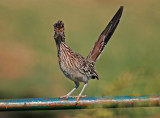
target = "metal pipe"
x: 84, y: 103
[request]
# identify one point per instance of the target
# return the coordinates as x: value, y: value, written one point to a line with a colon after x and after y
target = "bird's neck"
x: 58, y: 41
x: 63, y: 48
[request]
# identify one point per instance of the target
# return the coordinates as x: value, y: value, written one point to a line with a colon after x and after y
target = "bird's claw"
x: 67, y: 96
x: 78, y: 96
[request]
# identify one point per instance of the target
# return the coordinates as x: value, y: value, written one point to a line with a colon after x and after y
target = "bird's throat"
x: 58, y: 40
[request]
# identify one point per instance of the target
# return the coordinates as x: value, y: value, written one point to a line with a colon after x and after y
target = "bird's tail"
x: 105, y: 36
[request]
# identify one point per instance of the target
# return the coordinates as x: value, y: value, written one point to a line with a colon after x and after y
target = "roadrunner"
x: 75, y: 66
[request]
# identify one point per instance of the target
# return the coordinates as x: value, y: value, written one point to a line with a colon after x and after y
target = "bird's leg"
x: 80, y: 95
x: 68, y: 95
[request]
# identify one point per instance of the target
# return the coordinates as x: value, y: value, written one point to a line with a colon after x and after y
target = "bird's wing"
x: 84, y: 66
x: 105, y: 36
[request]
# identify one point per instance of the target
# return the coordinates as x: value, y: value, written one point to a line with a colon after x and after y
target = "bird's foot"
x: 78, y: 96
x: 67, y: 96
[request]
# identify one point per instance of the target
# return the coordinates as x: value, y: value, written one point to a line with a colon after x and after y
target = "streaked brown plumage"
x: 73, y: 65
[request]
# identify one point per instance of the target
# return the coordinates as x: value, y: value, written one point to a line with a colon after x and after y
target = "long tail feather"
x: 105, y: 36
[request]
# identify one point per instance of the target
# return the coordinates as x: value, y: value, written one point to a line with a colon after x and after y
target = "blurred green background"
x: 130, y: 64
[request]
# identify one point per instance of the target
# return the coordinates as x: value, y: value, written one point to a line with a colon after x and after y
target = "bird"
x: 73, y: 65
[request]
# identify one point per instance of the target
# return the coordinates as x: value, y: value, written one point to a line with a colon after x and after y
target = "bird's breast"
x: 69, y: 63
x: 72, y: 73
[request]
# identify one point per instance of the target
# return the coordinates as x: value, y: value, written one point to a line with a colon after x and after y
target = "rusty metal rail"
x: 84, y: 103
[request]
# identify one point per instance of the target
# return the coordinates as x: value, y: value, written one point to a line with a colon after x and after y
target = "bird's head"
x: 59, y: 31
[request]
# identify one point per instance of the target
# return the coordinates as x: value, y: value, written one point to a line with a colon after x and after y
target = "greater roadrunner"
x: 73, y: 65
